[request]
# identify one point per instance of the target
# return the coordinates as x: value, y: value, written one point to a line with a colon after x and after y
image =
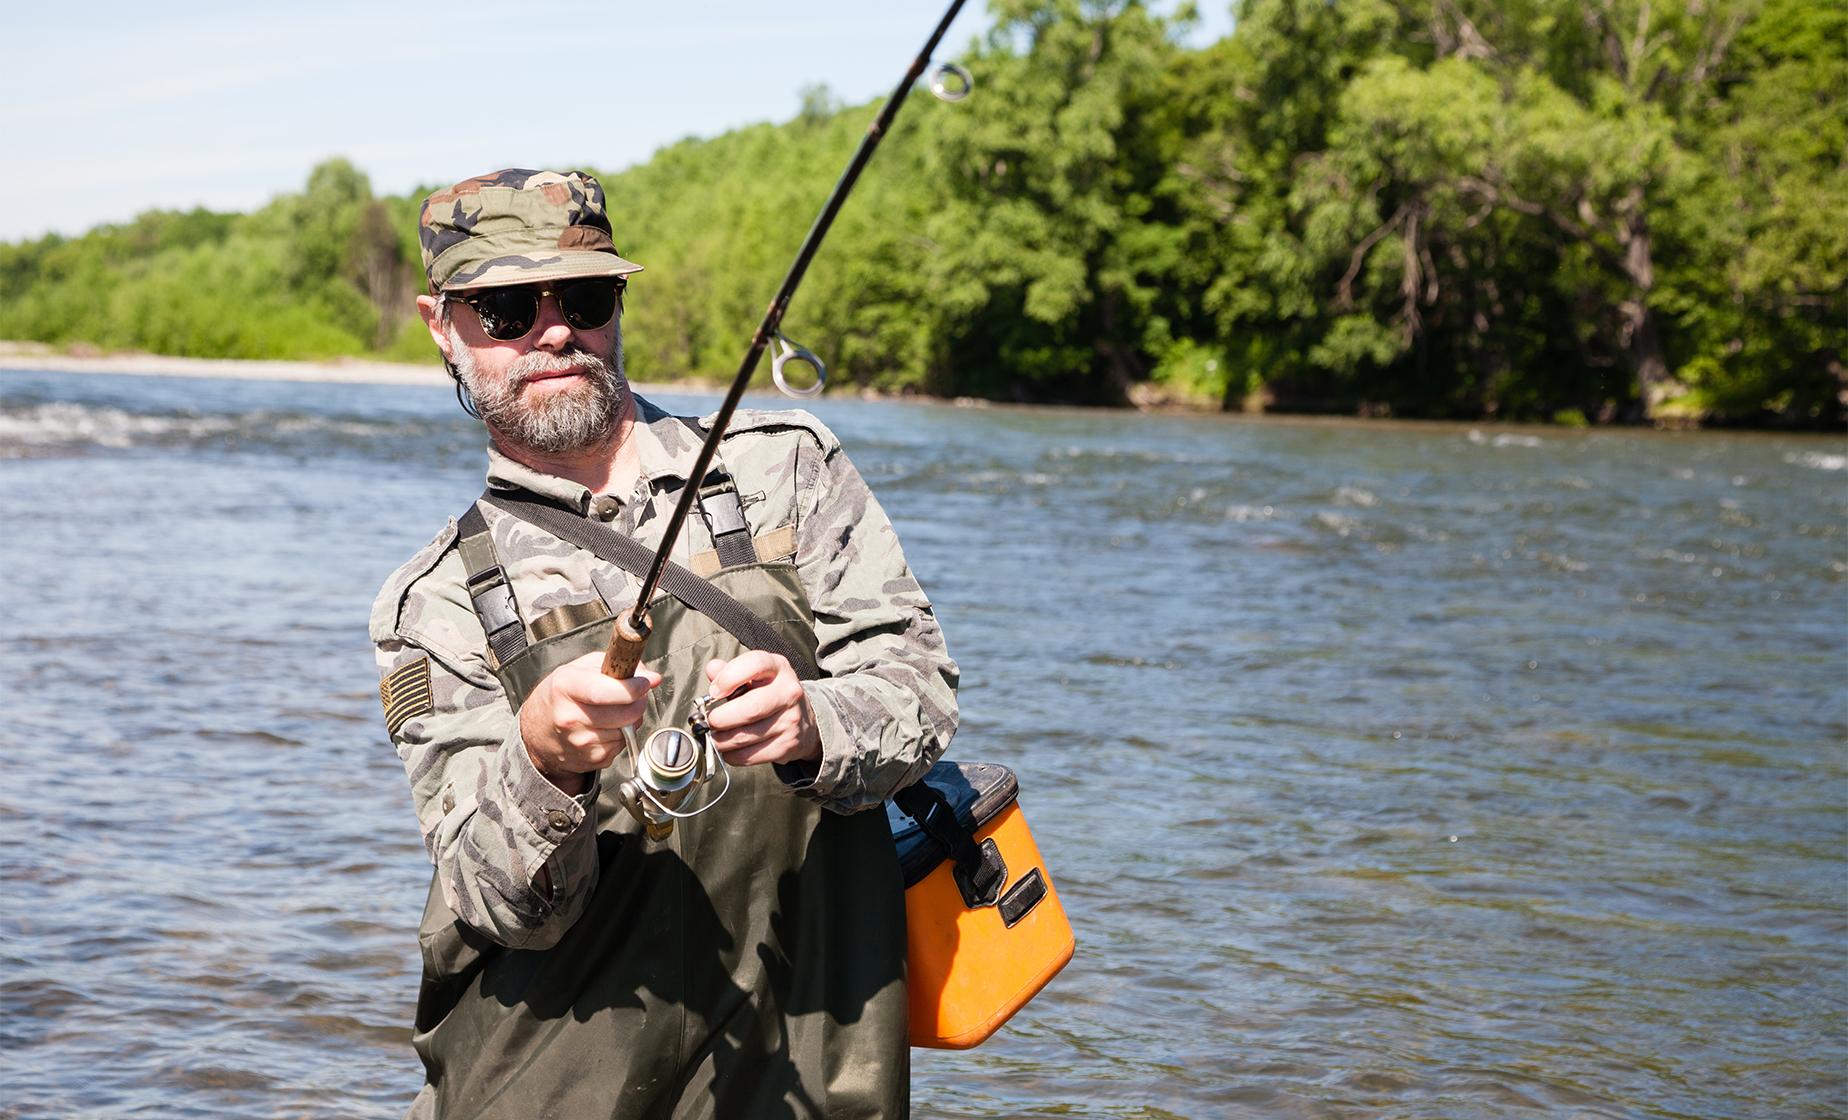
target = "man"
x: 750, y: 964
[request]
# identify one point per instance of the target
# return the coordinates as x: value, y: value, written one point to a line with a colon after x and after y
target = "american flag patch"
x: 405, y: 693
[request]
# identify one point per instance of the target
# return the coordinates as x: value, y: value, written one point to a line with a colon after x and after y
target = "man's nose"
x: 551, y: 332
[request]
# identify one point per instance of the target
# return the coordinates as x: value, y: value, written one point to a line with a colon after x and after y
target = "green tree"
x: 1052, y: 253
x: 1765, y: 305
x: 1252, y: 110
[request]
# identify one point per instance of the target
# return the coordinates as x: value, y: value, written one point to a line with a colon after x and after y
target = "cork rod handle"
x: 626, y: 641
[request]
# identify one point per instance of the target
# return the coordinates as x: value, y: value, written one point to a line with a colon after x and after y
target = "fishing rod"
x: 950, y: 82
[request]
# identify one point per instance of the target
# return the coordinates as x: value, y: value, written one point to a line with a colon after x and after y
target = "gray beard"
x: 579, y: 418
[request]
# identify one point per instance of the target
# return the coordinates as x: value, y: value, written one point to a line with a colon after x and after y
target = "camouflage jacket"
x: 516, y: 856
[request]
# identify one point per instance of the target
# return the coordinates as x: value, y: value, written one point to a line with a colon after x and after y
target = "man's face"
x: 555, y: 390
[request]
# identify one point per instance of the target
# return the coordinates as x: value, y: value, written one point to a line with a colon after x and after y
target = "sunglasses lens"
x: 588, y: 304
x: 507, y: 313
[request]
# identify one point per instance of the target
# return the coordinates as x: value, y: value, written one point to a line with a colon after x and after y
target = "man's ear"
x: 426, y: 307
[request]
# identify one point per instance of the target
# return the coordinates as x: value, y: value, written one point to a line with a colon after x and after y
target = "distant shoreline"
x: 26, y: 357
x: 32, y: 357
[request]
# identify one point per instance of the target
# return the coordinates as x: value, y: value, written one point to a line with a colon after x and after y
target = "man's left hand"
x: 769, y: 723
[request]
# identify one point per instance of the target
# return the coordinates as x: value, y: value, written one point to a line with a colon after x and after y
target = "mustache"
x: 539, y: 362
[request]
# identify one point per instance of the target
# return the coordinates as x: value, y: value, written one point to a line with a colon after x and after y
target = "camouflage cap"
x: 517, y: 227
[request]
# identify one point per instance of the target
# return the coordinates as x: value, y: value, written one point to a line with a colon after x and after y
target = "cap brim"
x: 502, y: 272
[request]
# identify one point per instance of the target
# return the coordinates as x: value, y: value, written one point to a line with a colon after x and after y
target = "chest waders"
x: 750, y: 965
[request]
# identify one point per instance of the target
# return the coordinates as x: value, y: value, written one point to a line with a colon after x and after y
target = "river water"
x: 1384, y: 770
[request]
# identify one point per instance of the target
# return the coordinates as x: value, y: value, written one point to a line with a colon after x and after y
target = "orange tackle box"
x: 985, y: 925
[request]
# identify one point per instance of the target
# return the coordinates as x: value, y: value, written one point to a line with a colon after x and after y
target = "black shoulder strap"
x: 607, y: 544
x: 488, y: 589
x: 723, y: 508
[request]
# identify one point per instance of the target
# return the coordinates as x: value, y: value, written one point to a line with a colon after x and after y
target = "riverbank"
x: 1148, y: 399
x: 37, y: 356
x: 80, y: 358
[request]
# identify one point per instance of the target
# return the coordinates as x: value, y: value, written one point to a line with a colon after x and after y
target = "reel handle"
x: 626, y: 641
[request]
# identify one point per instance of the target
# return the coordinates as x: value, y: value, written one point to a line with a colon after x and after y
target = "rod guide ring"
x: 786, y: 352
x: 941, y: 78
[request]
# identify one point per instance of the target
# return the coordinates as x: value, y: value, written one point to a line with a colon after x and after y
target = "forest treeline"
x: 1570, y: 210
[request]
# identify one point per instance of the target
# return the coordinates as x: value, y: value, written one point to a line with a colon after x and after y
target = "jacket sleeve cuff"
x: 838, y: 771
x: 548, y: 814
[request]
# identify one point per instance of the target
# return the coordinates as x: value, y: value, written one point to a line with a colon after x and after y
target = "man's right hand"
x: 572, y: 722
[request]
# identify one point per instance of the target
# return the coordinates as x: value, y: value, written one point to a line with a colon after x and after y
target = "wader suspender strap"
x: 723, y: 510
x: 724, y: 513
x: 608, y: 545
x: 979, y: 868
x: 487, y: 587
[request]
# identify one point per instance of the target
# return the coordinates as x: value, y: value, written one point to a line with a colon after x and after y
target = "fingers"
x: 582, y: 682
x: 572, y: 723
x: 754, y: 706
x: 599, y: 722
x: 774, y: 738
x: 756, y: 753
x: 771, y: 682
x: 769, y: 723
x: 753, y: 667
x: 739, y: 736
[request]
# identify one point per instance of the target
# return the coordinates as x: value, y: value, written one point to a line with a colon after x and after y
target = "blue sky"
x: 110, y: 108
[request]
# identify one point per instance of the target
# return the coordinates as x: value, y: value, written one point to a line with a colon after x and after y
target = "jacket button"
x: 559, y: 820
x: 449, y: 801
x: 605, y: 508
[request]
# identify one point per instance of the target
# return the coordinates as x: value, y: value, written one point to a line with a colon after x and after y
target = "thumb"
x: 713, y: 668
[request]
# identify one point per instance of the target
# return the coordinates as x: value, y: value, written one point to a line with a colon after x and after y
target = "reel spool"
x: 669, y: 767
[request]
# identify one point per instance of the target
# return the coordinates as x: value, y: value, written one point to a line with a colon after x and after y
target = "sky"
x: 110, y: 108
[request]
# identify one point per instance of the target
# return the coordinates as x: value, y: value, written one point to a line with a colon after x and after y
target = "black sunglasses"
x: 507, y: 314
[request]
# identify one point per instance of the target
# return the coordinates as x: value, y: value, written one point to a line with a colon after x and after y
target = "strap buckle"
x: 726, y: 514
x: 493, y: 600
